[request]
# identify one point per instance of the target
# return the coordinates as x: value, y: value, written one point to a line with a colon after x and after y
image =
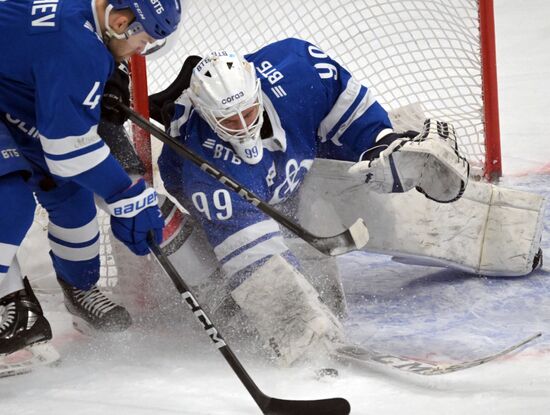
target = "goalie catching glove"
x: 429, y: 161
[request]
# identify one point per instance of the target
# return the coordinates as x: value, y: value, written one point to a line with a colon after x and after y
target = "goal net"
x: 436, y: 53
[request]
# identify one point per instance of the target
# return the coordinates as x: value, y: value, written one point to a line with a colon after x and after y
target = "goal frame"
x: 493, y: 159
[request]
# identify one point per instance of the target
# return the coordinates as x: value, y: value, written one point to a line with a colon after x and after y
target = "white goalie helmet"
x: 227, y: 94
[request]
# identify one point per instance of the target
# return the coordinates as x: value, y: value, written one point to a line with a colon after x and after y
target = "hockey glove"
x: 134, y: 213
x: 429, y: 162
x: 117, y: 90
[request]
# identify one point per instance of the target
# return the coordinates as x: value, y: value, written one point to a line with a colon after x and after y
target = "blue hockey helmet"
x: 159, y: 18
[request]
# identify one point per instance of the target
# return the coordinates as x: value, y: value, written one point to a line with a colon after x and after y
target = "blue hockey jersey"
x: 52, y: 74
x: 316, y: 109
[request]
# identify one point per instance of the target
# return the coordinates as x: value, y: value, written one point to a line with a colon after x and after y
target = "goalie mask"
x: 226, y: 93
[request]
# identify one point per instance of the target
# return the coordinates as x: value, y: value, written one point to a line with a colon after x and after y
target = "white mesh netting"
x: 406, y: 51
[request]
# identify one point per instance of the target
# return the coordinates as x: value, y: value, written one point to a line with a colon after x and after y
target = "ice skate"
x: 93, y: 311
x: 22, y: 322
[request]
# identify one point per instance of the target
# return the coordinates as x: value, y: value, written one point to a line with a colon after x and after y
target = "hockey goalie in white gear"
x: 277, y: 146
x: 430, y: 162
x: 226, y: 92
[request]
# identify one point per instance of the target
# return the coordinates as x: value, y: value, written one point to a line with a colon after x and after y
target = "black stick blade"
x: 334, y: 406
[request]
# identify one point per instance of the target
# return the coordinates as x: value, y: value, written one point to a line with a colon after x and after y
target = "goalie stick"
x: 26, y: 360
x: 267, y: 404
x: 353, y: 238
x: 358, y: 354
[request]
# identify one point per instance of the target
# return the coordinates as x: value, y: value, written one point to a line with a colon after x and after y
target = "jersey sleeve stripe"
x: 60, y: 146
x: 342, y: 105
x: 245, y: 236
x: 74, y: 235
x: 361, y: 108
x: 76, y: 153
x: 77, y: 165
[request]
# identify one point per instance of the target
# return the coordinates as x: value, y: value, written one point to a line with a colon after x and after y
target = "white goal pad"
x: 287, y: 312
x: 491, y: 230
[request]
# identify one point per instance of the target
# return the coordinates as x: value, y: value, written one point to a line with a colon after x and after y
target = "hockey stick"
x: 353, y: 238
x: 268, y: 405
x: 363, y: 356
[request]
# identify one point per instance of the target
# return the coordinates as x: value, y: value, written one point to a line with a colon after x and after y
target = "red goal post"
x: 437, y: 53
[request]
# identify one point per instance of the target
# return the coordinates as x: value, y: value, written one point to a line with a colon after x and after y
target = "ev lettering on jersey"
x: 45, y: 15
x: 233, y: 97
x: 10, y: 153
x: 157, y: 6
x: 22, y: 126
x: 269, y: 72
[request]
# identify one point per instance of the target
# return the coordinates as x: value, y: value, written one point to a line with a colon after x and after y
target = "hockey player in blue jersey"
x: 56, y: 58
x: 262, y: 120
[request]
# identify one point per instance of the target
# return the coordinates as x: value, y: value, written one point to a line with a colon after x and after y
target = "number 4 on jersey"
x: 93, y: 99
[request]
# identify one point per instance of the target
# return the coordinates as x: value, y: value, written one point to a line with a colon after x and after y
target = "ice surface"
x: 421, y: 312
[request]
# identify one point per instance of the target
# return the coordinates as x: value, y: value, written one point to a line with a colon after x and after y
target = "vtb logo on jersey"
x: 273, y: 75
x: 221, y: 152
x: 10, y: 153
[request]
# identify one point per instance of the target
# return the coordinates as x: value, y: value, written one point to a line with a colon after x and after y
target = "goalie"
x: 263, y: 120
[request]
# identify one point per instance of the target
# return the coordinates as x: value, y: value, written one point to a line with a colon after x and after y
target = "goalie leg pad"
x: 490, y: 231
x: 322, y: 272
x: 287, y: 312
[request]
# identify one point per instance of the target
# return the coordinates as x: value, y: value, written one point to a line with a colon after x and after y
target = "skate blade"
x: 85, y: 328
x: 28, y: 358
